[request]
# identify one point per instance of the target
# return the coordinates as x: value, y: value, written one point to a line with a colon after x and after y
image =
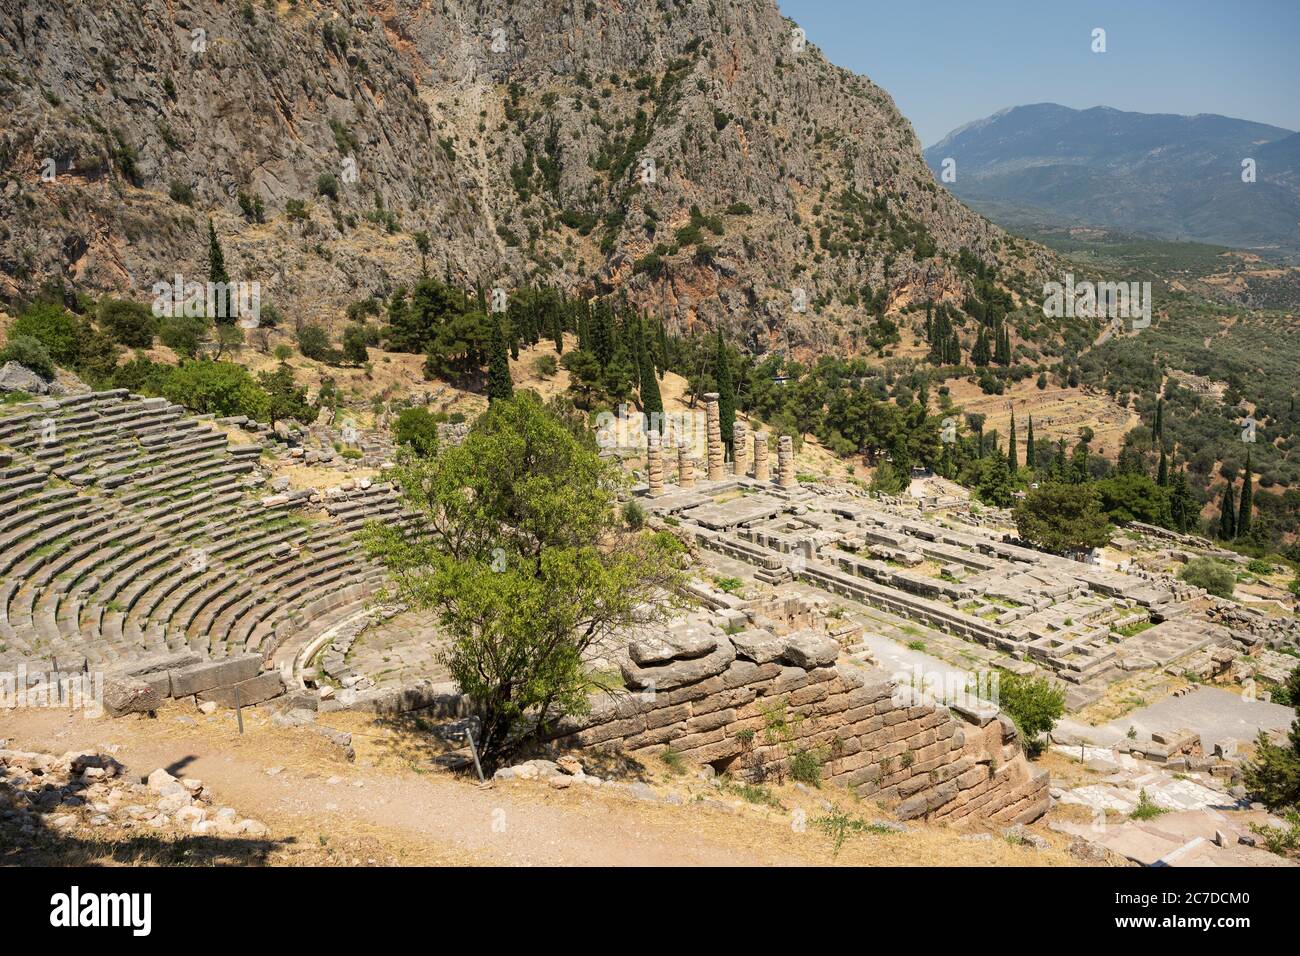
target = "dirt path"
x: 317, y: 792
x: 391, y: 806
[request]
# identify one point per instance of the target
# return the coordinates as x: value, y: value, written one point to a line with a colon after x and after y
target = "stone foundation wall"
x: 749, y: 706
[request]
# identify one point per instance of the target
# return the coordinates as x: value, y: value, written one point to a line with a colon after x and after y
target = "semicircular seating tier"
x: 129, y: 527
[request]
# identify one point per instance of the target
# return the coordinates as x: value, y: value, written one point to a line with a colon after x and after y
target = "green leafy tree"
x: 1033, y: 703
x: 217, y: 388
x: 286, y: 399
x: 520, y: 550
x: 417, y: 429
x: 129, y: 323
x: 355, y: 340
x: 314, y: 343
x: 1062, y: 517
x: 1134, y: 497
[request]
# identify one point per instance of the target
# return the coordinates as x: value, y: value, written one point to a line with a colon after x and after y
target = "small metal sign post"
x: 469, y: 735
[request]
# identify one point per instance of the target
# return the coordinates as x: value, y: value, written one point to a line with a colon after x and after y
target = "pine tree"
x: 1162, y: 472
x: 726, y: 392
x: 1228, y: 514
x: 1244, y: 516
x: 499, y: 384
x: 1029, y: 445
x: 218, y: 276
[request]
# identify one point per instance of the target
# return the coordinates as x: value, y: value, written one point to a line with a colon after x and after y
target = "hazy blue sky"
x: 947, y: 62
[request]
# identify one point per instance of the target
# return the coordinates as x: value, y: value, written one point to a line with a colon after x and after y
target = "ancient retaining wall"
x: 750, y: 705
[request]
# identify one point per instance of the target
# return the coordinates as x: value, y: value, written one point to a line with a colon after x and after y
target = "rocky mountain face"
x: 1176, y: 177
x: 697, y: 157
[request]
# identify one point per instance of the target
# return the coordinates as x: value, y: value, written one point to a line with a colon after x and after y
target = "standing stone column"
x: 685, y: 467
x: 762, y: 469
x: 716, y: 450
x: 654, y: 464
x: 785, y: 462
x: 740, y: 442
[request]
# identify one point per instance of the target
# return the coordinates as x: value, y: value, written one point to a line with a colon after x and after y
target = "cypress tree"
x: 1162, y: 472
x: 499, y: 384
x: 218, y: 276
x: 1012, y: 454
x: 584, y: 327
x: 1079, y: 464
x: 1182, y: 506
x: 1228, y: 514
x: 726, y: 392
x: 979, y: 354
x: 1029, y: 444
x: 557, y: 327
x: 1159, y: 430
x: 602, y: 333
x: 1247, y: 502
x: 652, y: 402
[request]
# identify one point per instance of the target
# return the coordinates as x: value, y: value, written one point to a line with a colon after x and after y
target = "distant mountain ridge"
x: 1177, y: 177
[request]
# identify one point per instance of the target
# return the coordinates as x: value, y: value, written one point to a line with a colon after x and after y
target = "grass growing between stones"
x: 1145, y: 809
x: 839, y: 825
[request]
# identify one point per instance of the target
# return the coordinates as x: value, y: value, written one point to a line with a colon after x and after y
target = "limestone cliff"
x: 697, y: 156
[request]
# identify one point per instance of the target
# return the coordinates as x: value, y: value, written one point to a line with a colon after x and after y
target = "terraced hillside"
x: 127, y: 527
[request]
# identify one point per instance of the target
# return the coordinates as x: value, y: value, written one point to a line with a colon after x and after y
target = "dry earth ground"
x: 393, y: 806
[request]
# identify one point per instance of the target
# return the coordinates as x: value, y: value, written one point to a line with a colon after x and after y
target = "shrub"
x: 634, y: 515
x: 182, y: 334
x: 55, y: 328
x: 29, y: 353
x: 545, y: 366
x: 314, y: 343
x: 127, y: 322
x: 1215, y: 576
x: 806, y: 767
x: 1145, y: 809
